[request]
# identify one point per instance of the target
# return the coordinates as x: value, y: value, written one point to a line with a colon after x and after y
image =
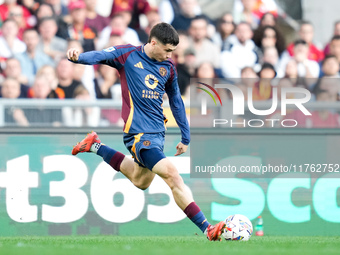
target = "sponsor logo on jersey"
x: 151, y: 81
x: 162, y: 71
x: 139, y: 65
x: 150, y: 94
x: 110, y: 49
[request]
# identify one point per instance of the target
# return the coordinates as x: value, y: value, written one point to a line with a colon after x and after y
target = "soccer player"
x: 146, y: 73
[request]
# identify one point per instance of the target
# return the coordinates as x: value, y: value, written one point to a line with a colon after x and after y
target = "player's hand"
x: 181, y: 148
x: 73, y: 54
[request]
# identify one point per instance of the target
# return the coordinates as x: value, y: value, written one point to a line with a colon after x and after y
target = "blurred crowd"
x: 246, y: 43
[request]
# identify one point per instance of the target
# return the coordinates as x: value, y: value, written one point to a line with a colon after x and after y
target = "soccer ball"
x: 238, y: 227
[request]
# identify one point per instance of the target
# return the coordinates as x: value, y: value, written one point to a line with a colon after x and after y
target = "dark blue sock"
x: 195, y: 214
x: 106, y: 152
x: 200, y: 221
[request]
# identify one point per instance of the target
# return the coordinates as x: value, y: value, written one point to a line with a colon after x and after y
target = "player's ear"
x: 153, y: 42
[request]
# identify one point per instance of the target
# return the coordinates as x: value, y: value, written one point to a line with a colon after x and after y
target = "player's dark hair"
x: 165, y: 33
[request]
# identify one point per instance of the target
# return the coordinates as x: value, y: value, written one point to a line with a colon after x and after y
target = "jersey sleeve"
x: 177, y: 106
x: 113, y: 56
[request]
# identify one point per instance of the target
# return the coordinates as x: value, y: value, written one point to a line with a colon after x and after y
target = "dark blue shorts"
x: 136, y: 143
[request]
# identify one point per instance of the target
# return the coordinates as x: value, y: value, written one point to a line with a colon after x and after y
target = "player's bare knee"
x: 174, y: 180
x: 168, y: 172
x: 143, y: 185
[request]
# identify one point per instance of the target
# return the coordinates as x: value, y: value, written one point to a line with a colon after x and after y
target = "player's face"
x: 162, y: 52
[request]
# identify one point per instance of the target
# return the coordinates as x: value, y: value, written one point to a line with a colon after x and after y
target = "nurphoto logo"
x: 240, y: 101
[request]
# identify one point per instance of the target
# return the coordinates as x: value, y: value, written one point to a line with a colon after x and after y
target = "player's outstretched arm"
x: 91, y: 57
x: 181, y: 148
x: 73, y: 54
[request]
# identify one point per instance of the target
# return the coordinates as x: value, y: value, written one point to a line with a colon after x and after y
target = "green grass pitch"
x: 195, y: 245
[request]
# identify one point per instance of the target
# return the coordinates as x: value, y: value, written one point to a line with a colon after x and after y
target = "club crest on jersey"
x: 162, y: 71
x: 146, y: 143
x: 110, y: 49
x: 151, y: 81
